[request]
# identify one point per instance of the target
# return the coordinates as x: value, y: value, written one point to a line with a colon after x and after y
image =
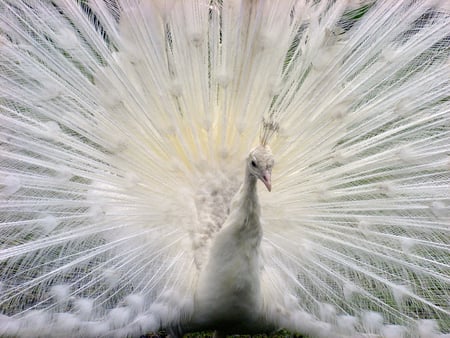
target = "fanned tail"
x: 123, y: 129
x: 358, y: 223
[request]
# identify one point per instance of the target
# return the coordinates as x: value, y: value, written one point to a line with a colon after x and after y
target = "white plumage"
x: 125, y: 132
x: 228, y: 295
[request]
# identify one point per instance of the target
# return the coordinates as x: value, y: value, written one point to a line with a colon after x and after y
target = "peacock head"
x: 260, y: 163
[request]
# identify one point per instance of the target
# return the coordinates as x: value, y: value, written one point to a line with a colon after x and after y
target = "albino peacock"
x: 228, y: 294
x: 127, y: 128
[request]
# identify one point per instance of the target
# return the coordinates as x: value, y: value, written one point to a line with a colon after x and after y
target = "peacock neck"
x: 247, y: 206
x: 249, y: 185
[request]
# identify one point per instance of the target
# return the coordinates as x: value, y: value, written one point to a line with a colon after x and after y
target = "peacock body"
x: 128, y: 198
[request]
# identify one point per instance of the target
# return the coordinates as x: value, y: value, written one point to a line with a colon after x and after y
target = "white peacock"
x: 127, y: 128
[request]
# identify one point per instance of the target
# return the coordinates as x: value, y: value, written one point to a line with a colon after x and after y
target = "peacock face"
x: 260, y: 164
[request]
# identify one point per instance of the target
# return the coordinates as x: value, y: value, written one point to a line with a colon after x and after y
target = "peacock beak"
x: 267, y: 180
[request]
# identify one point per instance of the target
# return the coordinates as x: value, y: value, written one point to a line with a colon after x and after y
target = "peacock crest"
x: 269, y: 128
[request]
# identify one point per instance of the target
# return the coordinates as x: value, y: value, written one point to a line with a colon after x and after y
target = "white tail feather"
x: 123, y: 130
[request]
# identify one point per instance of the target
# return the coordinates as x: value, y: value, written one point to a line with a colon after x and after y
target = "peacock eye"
x: 253, y: 164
